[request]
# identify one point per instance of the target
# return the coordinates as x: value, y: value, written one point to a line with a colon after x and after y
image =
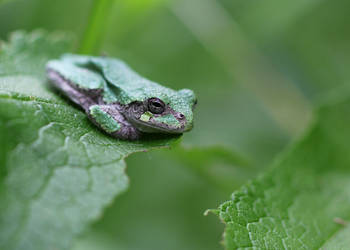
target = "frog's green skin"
x: 118, y: 100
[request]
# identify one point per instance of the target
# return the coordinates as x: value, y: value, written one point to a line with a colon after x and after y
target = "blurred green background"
x: 258, y: 68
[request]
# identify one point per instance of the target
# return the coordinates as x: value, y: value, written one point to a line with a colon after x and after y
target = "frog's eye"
x: 156, y: 106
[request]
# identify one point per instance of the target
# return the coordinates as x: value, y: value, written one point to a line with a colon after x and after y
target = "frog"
x: 118, y: 100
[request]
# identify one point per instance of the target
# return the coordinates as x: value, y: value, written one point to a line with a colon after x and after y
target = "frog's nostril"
x: 180, y: 116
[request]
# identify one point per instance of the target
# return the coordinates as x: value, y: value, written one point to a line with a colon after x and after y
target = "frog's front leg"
x: 109, y: 119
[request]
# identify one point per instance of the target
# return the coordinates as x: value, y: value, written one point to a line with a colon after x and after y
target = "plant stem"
x: 96, y: 27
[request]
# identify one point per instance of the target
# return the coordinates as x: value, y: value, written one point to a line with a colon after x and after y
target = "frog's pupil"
x: 156, y: 105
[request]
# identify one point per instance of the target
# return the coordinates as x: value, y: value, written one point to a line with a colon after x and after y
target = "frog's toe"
x: 127, y: 133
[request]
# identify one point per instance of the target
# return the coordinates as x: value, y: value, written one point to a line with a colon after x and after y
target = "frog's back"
x: 125, y: 83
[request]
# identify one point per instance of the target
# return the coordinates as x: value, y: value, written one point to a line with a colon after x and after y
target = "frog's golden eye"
x: 155, y: 105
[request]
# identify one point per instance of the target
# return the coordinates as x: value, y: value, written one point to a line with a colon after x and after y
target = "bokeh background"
x: 258, y: 67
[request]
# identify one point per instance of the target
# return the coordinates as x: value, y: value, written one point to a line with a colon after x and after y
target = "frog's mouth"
x: 154, y: 126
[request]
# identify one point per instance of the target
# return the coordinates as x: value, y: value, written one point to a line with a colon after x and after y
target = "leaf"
x: 303, y: 201
x: 340, y: 240
x: 162, y: 209
x: 57, y: 171
x: 27, y: 53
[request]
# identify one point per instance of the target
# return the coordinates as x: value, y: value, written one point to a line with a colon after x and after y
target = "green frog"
x: 118, y: 100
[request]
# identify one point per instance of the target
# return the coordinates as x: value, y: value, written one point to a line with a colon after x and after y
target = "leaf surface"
x: 57, y: 171
x: 303, y: 201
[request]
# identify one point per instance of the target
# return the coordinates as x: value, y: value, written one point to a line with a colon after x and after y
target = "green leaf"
x: 341, y: 239
x: 303, y: 201
x: 57, y: 171
x: 162, y: 209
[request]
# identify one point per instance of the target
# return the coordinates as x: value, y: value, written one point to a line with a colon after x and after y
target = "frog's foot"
x: 110, y: 120
x: 127, y: 133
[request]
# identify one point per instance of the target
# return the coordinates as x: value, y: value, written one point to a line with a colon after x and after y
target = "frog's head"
x: 163, y: 113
